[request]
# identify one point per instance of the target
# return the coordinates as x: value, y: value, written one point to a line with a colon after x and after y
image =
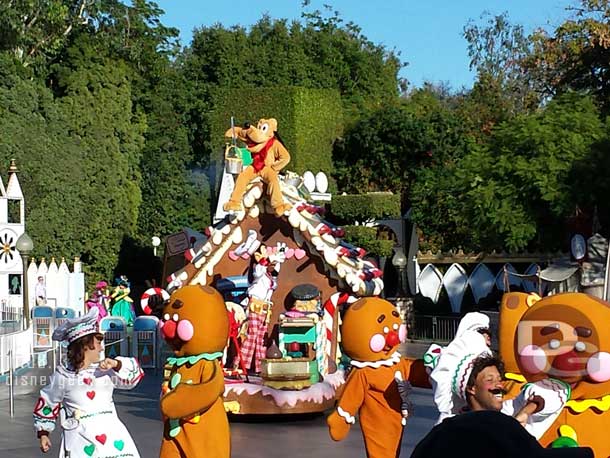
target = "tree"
x: 320, y: 52
x: 576, y: 55
x: 518, y: 190
x: 386, y: 147
x: 33, y: 30
x: 497, y: 51
x: 97, y: 110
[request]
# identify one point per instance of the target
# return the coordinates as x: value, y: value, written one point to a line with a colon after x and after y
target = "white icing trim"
x: 394, y: 359
x: 346, y: 416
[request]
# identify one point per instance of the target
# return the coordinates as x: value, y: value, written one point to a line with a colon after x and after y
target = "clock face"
x: 8, y: 254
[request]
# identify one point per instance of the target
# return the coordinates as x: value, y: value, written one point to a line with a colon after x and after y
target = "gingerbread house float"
x: 302, y: 368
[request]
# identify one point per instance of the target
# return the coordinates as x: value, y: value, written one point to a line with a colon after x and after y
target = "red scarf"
x: 258, y: 159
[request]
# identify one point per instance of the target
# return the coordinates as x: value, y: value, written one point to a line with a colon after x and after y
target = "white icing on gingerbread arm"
x: 346, y: 416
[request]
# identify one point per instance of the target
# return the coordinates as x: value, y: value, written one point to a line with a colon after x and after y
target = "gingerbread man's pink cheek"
x: 533, y: 359
x: 402, y: 333
x: 185, y: 330
x: 377, y: 343
x: 598, y: 367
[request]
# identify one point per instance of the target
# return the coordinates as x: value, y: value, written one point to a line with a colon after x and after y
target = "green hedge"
x: 309, y: 121
x: 366, y: 237
x: 363, y: 207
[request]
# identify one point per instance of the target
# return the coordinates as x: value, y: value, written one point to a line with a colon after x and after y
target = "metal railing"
x: 11, y: 316
x: 434, y: 328
x: 19, y: 344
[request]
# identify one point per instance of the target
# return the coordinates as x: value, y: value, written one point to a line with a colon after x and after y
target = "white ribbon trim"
x: 346, y: 416
x: 394, y: 359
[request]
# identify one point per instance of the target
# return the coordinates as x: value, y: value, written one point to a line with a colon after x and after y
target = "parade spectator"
x: 485, y: 434
x: 40, y: 291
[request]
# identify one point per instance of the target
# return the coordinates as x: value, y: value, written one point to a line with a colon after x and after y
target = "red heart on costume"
x: 91, y: 394
x: 88, y: 381
x: 101, y: 439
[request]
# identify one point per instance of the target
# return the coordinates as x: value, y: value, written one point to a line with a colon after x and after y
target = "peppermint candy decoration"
x: 148, y: 294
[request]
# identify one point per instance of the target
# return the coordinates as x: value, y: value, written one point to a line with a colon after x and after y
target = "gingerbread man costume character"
x: 196, y: 325
x: 371, y: 332
x: 269, y: 156
x: 565, y: 337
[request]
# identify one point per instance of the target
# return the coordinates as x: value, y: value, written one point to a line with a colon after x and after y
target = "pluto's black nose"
x: 246, y: 125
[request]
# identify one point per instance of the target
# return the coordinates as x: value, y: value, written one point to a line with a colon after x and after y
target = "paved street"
x: 297, y: 437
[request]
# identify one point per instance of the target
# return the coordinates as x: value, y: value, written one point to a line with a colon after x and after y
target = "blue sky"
x: 428, y: 34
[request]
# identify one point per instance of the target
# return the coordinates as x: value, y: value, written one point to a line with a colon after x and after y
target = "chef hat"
x: 472, y: 321
x: 450, y: 376
x: 74, y: 328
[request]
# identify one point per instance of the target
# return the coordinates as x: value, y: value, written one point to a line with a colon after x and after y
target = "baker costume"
x: 454, y: 367
x: 473, y: 321
x: 83, y: 401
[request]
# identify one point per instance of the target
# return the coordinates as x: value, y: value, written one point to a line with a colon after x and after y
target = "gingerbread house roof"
x: 343, y: 262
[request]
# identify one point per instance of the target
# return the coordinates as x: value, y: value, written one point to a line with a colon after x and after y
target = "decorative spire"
x: 13, y: 167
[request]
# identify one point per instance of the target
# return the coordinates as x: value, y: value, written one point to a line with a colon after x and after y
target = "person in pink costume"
x: 99, y: 300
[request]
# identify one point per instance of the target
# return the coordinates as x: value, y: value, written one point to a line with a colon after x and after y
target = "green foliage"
x: 115, y: 128
x: 79, y: 158
x: 309, y: 121
x: 516, y: 192
x: 497, y: 50
x: 32, y: 30
x: 322, y: 52
x: 385, y: 148
x: 367, y: 238
x: 575, y: 56
x: 365, y: 207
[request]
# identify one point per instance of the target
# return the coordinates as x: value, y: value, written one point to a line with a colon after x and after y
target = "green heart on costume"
x: 119, y: 445
x: 47, y: 410
x: 89, y: 449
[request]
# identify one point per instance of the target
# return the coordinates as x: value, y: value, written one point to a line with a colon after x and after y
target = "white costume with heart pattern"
x: 83, y: 403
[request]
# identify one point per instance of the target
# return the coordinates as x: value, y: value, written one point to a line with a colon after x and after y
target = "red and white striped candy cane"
x: 330, y: 307
x: 146, y: 296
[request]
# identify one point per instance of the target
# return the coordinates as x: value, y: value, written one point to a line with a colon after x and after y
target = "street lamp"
x: 24, y: 246
x: 156, y: 241
x: 399, y: 260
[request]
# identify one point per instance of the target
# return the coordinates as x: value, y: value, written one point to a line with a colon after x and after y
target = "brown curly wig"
x: 76, y: 350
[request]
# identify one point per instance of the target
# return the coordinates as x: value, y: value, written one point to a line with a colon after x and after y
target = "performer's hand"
x: 533, y: 404
x: 338, y: 428
x: 108, y: 363
x: 45, y: 444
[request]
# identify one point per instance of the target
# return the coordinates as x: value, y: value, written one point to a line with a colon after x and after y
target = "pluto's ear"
x: 512, y: 308
x: 272, y: 124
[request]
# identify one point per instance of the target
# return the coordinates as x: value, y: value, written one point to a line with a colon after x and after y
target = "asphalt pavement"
x: 251, y: 437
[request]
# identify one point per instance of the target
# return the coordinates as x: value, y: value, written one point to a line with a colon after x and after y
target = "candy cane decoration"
x: 331, y: 328
x: 147, y: 295
x: 321, y: 348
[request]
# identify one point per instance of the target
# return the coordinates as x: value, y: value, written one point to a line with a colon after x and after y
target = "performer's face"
x: 98, y: 345
x: 487, y: 393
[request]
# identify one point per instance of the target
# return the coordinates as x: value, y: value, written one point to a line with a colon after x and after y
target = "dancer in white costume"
x: 80, y: 395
